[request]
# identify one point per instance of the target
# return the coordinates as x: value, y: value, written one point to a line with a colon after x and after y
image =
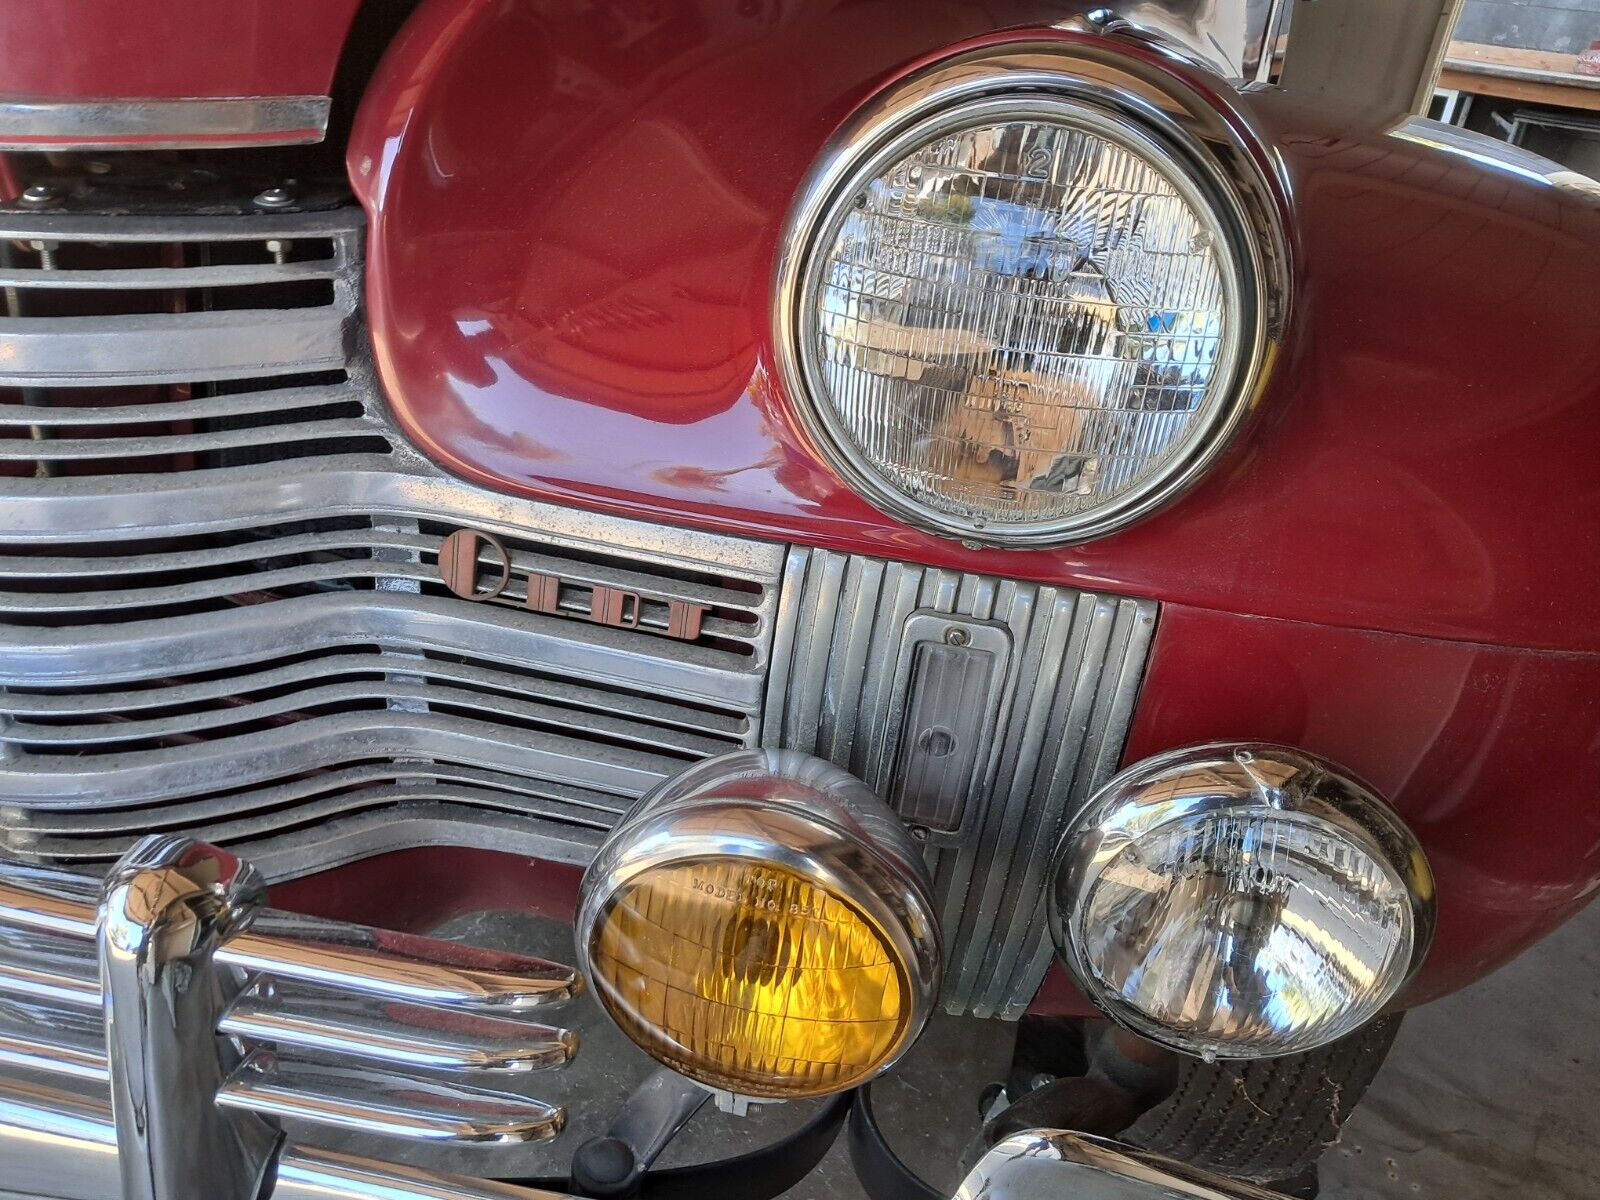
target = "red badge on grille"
x: 477, y: 566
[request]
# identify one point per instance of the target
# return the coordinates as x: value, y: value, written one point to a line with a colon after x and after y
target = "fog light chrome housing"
x: 1240, y: 900
x: 763, y: 924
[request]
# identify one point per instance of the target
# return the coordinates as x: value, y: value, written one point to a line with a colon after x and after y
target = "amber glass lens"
x: 750, y: 977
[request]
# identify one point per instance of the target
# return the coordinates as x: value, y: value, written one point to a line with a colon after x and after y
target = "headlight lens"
x: 1018, y: 310
x: 1241, y: 901
x: 762, y: 924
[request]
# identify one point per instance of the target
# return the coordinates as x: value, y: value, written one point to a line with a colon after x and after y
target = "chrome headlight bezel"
x: 785, y: 809
x: 1132, y: 102
x: 1183, y: 784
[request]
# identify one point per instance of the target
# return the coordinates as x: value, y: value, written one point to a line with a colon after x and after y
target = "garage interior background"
x: 1514, y: 70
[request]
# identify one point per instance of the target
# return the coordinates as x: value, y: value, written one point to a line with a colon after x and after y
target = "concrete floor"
x: 1491, y: 1093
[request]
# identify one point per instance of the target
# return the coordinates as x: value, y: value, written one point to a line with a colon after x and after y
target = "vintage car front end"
x: 840, y: 511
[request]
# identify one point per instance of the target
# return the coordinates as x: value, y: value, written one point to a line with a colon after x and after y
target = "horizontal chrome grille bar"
x: 183, y: 443
x: 413, y: 1035
x: 337, y: 791
x: 240, y: 761
x: 368, y: 1101
x: 234, y: 404
x: 305, y: 672
x: 152, y: 649
x: 151, y: 278
x: 348, y: 995
x: 74, y: 1119
x: 36, y: 123
x: 169, y: 347
x: 54, y: 1040
x: 190, y: 228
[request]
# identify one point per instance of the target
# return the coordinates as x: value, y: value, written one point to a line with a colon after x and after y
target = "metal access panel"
x: 850, y: 681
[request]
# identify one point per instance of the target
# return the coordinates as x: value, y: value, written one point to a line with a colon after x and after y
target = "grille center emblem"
x: 477, y: 566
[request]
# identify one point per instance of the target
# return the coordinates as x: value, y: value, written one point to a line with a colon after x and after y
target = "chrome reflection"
x: 1022, y: 317
x: 1051, y: 1164
x: 168, y: 904
x: 1240, y: 900
x: 1028, y: 293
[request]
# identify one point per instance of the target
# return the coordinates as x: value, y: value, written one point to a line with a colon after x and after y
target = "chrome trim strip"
x: 82, y: 1161
x: 364, y: 1100
x: 142, y: 123
x: 91, y: 227
x: 309, y: 1018
x: 173, y: 772
x: 41, y: 1037
x: 1045, y: 1164
x: 169, y: 347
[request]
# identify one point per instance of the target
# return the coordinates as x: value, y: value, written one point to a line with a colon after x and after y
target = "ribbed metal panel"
x: 220, y: 604
x: 1068, y: 697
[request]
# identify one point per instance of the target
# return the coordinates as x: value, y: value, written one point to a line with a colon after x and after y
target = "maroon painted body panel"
x: 1489, y: 754
x: 575, y: 215
x: 574, y: 228
x: 91, y: 49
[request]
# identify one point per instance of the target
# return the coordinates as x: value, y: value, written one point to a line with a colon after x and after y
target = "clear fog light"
x: 1240, y: 901
x: 762, y: 924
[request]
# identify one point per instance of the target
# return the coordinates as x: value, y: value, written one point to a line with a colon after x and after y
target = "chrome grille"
x: 221, y: 610
x: 220, y: 602
x: 1067, y: 699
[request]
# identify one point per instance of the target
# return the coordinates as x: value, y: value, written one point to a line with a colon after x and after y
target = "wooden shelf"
x: 1536, y: 76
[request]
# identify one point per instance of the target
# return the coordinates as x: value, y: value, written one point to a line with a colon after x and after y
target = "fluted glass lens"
x: 1021, y: 322
x: 1247, y: 933
x: 749, y: 977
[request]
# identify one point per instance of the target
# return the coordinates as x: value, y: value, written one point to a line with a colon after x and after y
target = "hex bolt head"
x: 275, y: 197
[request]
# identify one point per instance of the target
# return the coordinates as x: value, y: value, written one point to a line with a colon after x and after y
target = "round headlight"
x: 1018, y: 310
x: 762, y: 924
x: 1240, y: 901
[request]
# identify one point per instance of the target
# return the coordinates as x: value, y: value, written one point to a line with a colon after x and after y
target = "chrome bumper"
x: 156, y: 1030
x: 1045, y: 1164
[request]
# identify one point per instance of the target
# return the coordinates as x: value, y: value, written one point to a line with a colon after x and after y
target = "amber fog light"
x: 1240, y: 901
x: 762, y: 923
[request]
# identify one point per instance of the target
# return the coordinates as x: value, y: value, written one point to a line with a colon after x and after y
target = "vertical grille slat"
x: 1071, y: 688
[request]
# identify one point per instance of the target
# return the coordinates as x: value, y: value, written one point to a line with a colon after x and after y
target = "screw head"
x: 275, y: 197
x: 40, y: 194
x: 957, y: 636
